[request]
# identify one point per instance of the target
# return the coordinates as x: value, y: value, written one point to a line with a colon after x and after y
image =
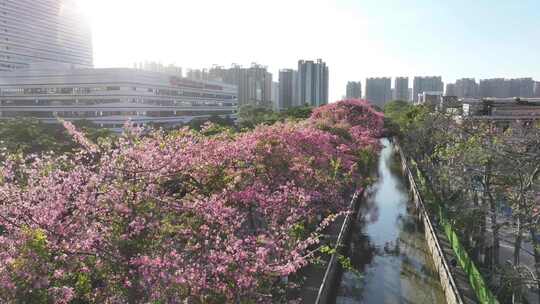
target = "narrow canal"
x: 388, y: 251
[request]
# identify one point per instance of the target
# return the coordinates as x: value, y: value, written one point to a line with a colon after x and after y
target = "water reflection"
x: 388, y: 247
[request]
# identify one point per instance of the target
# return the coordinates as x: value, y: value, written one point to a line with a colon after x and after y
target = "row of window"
x: 96, y: 114
x: 73, y: 102
x: 90, y: 90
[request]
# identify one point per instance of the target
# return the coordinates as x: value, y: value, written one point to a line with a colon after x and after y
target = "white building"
x: 109, y: 97
x: 43, y: 31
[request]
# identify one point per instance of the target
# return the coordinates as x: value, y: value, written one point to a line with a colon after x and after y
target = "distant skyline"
x: 356, y: 38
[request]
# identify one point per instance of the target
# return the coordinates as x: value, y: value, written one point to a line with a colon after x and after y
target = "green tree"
x: 28, y: 136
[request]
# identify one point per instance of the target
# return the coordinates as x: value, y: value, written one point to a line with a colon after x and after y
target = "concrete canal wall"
x: 332, y: 271
x: 448, y: 283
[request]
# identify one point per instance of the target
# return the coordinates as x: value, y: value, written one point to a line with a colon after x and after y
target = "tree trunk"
x: 494, y: 227
x: 517, y: 244
x: 495, y: 232
x: 536, y: 249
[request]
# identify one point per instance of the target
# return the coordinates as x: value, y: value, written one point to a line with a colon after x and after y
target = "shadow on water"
x: 388, y: 250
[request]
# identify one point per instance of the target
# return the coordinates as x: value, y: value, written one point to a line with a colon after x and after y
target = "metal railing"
x: 447, y: 280
x: 330, y: 276
x: 483, y: 293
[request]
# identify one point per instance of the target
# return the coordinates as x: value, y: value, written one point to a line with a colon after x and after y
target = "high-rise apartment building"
x: 495, y: 87
x: 197, y: 74
x: 522, y: 87
x: 379, y: 90
x: 401, y: 88
x: 312, y: 82
x: 354, y: 89
x: 466, y: 88
x: 505, y: 88
x: 276, y: 106
x: 287, y: 88
x: 537, y: 89
x: 161, y: 68
x: 254, y: 83
x: 450, y: 89
x: 43, y: 31
x: 427, y: 84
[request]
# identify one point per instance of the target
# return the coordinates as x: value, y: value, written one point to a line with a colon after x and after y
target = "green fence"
x: 483, y: 293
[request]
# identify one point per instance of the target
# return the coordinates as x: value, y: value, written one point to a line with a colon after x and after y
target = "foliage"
x: 251, y: 116
x: 30, y: 136
x: 474, y: 169
x: 224, y: 123
x: 205, y: 218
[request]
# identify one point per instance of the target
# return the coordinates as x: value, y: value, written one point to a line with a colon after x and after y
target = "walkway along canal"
x: 391, y: 262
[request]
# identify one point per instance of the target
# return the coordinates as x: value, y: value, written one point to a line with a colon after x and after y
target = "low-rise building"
x: 502, y: 108
x: 110, y: 97
x: 431, y: 99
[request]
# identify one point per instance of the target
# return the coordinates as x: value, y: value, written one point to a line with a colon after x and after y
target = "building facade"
x: 467, y: 88
x: 427, y: 84
x: 379, y: 90
x: 430, y: 99
x: 43, y: 32
x: 254, y: 83
x: 495, y: 87
x: 275, y: 96
x: 313, y: 82
x: 109, y: 97
x: 401, y: 88
x: 522, y: 87
x: 287, y: 88
x: 354, y: 89
x: 537, y: 89
x: 505, y: 109
x: 450, y: 90
x: 160, y: 68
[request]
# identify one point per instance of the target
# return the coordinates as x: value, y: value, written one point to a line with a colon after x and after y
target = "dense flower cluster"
x: 163, y: 218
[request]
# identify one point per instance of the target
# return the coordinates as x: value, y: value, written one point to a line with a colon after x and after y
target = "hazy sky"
x: 357, y: 38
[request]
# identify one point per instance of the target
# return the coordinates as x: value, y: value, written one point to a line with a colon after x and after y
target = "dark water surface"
x: 388, y: 249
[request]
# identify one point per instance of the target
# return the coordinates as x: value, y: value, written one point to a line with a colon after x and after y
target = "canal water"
x: 389, y: 254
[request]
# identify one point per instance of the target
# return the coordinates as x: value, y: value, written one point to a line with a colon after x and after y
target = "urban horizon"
x: 457, y: 43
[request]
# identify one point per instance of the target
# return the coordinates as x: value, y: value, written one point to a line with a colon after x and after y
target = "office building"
x: 379, y: 90
x: 110, y: 97
x: 313, y: 82
x: 401, y: 88
x: 254, y: 83
x: 354, y: 89
x: 426, y: 84
x: 450, y: 90
x: 287, y: 88
x: 43, y: 32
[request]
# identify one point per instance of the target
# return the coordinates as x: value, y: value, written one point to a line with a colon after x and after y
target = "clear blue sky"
x: 357, y: 38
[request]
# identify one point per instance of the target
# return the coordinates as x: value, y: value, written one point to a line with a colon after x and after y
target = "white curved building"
x: 43, y: 31
x: 110, y: 97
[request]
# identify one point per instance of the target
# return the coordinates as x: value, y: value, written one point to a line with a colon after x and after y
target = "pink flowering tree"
x: 163, y: 218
